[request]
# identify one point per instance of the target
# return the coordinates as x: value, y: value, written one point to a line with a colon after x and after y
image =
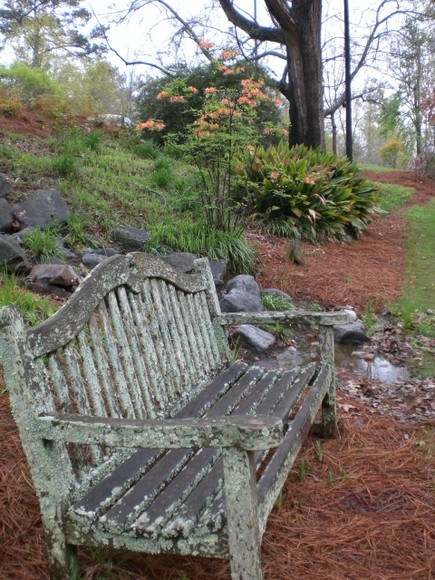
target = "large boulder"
x: 12, y: 256
x: 129, y: 238
x: 242, y: 295
x: 353, y: 333
x: 6, y: 216
x: 52, y: 277
x: 43, y: 208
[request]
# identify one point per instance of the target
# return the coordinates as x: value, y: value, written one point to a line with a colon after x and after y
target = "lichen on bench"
x: 140, y: 433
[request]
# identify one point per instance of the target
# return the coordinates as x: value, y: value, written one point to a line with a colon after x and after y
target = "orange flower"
x: 209, y: 90
x: 161, y: 95
x: 193, y: 89
x: 176, y: 99
x: 205, y: 44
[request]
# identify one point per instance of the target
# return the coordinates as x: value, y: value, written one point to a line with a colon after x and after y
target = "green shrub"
x: 276, y: 303
x: 65, y: 165
x: 321, y: 196
x: 202, y: 240
x: 31, y: 83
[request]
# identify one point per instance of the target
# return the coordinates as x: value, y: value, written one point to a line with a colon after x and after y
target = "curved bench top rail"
x: 130, y: 270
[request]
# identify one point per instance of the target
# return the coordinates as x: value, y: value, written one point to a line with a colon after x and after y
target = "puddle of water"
x: 379, y: 368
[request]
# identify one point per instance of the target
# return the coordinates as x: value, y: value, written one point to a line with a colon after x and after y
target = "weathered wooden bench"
x: 139, y: 431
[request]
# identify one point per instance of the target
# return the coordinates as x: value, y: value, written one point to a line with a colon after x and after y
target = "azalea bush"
x: 223, y: 127
x: 300, y: 192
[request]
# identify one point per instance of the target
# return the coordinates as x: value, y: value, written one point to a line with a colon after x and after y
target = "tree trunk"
x: 305, y: 83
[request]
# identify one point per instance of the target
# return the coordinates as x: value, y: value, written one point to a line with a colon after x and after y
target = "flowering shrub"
x: 224, y: 126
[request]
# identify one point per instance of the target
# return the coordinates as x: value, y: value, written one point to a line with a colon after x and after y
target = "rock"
x: 43, y: 208
x: 54, y: 274
x: 92, y: 260
x: 4, y: 186
x: 12, y: 256
x: 219, y: 270
x: 6, y: 216
x: 181, y: 261
x: 254, y: 337
x: 352, y: 333
x: 242, y: 295
x: 244, y: 282
x: 351, y: 314
x: 129, y: 238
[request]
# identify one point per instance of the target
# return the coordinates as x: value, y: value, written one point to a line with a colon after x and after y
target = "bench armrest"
x: 247, y: 432
x: 286, y: 317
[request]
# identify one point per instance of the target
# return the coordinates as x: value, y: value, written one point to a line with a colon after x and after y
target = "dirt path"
x: 367, y: 271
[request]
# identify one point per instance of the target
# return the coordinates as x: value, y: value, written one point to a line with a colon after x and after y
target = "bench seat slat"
x: 179, y: 477
x: 122, y: 477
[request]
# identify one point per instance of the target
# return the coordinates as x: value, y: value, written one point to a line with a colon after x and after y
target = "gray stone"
x: 129, y: 238
x: 54, y: 274
x: 254, y: 337
x: 244, y: 282
x: 92, y: 260
x: 238, y: 300
x: 4, y: 185
x: 353, y: 333
x: 181, y: 261
x: 351, y: 314
x: 43, y: 208
x: 12, y: 256
x: 218, y: 269
x: 6, y: 216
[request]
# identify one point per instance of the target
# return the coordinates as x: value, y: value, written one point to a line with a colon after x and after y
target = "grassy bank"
x: 416, y: 305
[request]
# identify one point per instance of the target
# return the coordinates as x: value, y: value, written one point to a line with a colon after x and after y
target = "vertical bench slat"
x: 196, y: 346
x: 203, y: 325
x: 194, y: 316
x: 149, y: 354
x: 58, y: 382
x: 103, y: 370
x: 176, y: 342
x: 129, y: 326
x: 81, y: 395
x: 192, y: 370
x: 125, y: 356
x: 159, y: 341
x: 91, y: 377
x: 118, y: 381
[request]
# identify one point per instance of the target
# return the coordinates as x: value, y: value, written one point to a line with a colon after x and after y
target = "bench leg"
x: 62, y: 557
x: 327, y: 358
x: 242, y: 517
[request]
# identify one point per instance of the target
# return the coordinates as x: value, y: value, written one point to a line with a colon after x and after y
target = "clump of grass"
x: 276, y: 303
x: 43, y: 244
x: 33, y: 308
x: 197, y: 238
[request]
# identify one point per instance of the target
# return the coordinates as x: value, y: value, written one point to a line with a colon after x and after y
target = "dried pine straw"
x: 363, y: 509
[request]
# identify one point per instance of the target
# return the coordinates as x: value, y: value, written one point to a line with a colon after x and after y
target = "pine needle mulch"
x: 359, y: 507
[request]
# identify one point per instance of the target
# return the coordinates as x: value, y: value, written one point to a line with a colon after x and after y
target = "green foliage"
x: 33, y: 308
x: 390, y: 152
x: 199, y: 239
x: 30, y: 83
x: 10, y: 102
x: 65, y: 165
x: 276, y: 303
x: 181, y: 114
x: 323, y: 197
x: 392, y: 195
x: 42, y: 243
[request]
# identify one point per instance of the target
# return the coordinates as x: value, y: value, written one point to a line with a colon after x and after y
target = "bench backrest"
x: 136, y: 340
